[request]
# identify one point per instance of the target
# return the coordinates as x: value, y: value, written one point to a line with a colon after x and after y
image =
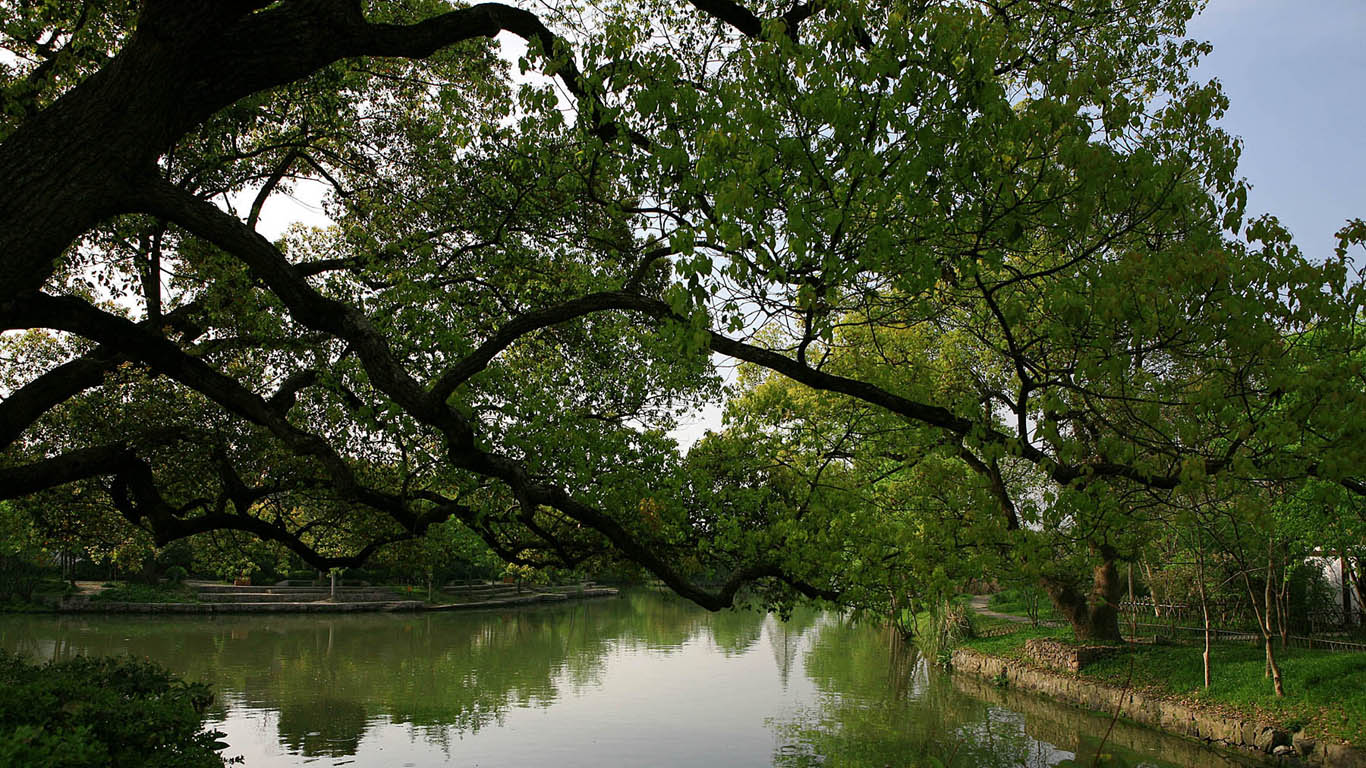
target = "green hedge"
x: 102, y: 712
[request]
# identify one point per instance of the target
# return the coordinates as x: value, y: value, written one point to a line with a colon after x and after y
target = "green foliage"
x: 175, y: 574
x: 126, y: 592
x: 1027, y: 601
x: 22, y: 557
x: 942, y: 628
x: 102, y: 712
x: 1325, y: 690
x: 1006, y: 246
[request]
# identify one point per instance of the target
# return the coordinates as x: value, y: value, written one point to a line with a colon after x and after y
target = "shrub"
x: 941, y: 629
x: 142, y: 593
x: 19, y: 577
x: 102, y: 712
x: 175, y: 574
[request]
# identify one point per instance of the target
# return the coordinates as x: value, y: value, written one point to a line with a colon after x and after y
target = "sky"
x: 1295, y: 75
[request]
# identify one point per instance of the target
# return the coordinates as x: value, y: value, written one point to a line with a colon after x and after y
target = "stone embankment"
x: 287, y: 598
x: 485, y: 595
x: 1085, y: 733
x: 1154, y: 711
x: 226, y: 598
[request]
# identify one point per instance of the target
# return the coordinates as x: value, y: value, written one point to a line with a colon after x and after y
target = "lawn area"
x: 1016, y: 600
x: 410, y: 592
x: 1325, y: 692
x: 1011, y: 646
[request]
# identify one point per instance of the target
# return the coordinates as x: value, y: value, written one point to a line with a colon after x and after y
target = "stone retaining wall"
x: 1063, y: 656
x: 1081, y: 731
x: 1172, y: 716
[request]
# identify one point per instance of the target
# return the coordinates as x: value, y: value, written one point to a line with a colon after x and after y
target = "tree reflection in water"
x: 881, y: 704
x: 823, y: 692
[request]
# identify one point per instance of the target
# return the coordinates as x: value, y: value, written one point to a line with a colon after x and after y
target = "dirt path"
x: 979, y: 606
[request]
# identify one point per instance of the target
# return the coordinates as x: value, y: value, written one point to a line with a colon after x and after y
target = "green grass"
x: 410, y: 592
x: 1325, y: 692
x: 1014, y: 601
x: 123, y: 592
x: 1011, y: 646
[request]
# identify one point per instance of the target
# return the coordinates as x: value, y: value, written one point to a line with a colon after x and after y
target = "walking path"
x: 979, y: 606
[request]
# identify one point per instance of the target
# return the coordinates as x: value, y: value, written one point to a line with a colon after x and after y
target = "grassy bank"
x: 1325, y: 692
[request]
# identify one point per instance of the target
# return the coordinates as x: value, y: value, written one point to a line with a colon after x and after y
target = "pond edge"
x: 1157, y: 712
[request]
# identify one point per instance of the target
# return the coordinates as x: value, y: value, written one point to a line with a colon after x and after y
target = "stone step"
x: 231, y: 589
x: 526, y: 599
x: 501, y: 602
x: 272, y: 597
x: 461, y: 589
x: 92, y: 606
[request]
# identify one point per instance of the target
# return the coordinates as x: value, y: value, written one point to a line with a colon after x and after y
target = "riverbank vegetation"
x: 106, y: 711
x: 1325, y: 691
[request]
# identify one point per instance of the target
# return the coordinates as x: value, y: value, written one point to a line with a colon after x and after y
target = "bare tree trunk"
x: 1264, y: 626
x: 1274, y: 618
x: 1283, y: 599
x: 1346, y: 596
x: 1133, y: 607
x: 1152, y: 588
x: 1267, y: 607
x: 1204, y: 607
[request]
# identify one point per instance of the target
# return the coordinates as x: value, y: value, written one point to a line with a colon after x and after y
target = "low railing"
x: 1175, y: 631
x: 1236, y: 616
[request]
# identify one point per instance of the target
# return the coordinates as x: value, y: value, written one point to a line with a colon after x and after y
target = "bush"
x: 102, y: 712
x: 142, y: 593
x: 941, y: 629
x: 19, y: 577
x: 175, y: 574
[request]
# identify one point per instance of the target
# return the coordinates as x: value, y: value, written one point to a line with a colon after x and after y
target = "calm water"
x: 641, y: 680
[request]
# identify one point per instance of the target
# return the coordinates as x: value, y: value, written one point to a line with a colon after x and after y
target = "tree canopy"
x: 1006, y: 241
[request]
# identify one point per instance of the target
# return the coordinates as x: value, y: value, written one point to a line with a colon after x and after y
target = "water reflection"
x: 646, y: 679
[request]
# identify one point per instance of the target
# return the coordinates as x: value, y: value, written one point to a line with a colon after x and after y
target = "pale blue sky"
x: 1295, y: 73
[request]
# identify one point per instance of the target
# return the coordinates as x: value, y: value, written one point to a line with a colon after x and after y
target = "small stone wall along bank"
x: 1156, y: 712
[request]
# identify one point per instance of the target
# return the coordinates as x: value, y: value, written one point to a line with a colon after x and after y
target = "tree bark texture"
x: 1094, y: 615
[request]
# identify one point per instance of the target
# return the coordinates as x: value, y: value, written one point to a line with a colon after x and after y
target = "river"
x: 644, y: 679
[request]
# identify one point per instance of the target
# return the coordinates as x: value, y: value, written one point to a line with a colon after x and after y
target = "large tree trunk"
x: 1094, y: 616
x: 92, y: 153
